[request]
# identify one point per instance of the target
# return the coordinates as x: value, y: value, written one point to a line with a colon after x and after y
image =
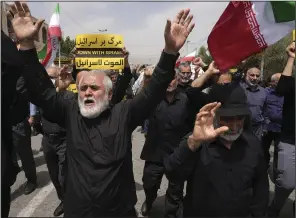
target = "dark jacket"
x: 21, y: 105
x: 273, y: 110
x: 286, y: 88
x: 222, y: 182
x: 100, y: 179
x: 11, y: 69
x: 167, y: 125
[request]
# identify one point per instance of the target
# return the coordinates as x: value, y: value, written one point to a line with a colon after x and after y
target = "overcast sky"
x: 141, y: 23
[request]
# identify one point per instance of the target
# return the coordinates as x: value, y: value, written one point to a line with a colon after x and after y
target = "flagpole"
x: 59, y: 54
x: 262, y: 66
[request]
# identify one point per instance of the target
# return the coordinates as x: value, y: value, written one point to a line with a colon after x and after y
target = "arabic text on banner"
x: 99, y: 63
x: 99, y: 41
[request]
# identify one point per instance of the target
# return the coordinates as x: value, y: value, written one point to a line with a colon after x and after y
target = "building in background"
x: 6, y: 26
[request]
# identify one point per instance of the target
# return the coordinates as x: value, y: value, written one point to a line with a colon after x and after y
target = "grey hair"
x: 275, y: 77
x: 183, y: 64
x: 107, y: 81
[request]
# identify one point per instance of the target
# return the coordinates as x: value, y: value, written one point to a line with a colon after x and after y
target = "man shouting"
x: 99, y: 180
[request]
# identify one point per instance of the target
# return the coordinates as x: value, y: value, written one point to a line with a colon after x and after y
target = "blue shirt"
x: 33, y: 110
x: 273, y: 110
x: 256, y: 97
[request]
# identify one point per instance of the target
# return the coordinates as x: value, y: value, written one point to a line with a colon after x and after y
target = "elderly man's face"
x: 93, y: 98
x: 253, y: 76
x: 235, y: 125
x: 184, y: 75
x: 275, y: 79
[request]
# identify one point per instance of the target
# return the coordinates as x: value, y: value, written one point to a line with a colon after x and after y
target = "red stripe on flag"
x: 48, y: 51
x: 184, y: 59
x: 55, y: 31
x: 232, y: 39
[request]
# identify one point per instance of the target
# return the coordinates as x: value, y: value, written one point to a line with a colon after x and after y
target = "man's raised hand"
x: 291, y: 50
x: 24, y: 28
x: 177, y: 32
x: 204, y: 129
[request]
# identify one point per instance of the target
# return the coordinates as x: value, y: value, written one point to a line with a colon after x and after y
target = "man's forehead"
x: 86, y: 77
x: 184, y: 67
x: 254, y: 70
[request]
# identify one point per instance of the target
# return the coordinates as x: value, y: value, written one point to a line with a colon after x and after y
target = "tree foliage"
x: 205, y: 55
x: 67, y: 45
x: 275, y: 58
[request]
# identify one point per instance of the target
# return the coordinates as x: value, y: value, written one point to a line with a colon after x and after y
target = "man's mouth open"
x: 89, y: 102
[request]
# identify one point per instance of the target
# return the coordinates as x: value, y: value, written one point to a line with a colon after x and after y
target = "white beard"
x: 96, y: 110
x: 231, y: 137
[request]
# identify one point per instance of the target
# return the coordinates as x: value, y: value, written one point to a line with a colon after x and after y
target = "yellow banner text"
x: 99, y: 63
x: 99, y: 41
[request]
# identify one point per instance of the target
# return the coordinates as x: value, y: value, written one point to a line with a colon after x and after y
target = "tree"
x: 275, y: 58
x: 67, y: 45
x: 205, y: 55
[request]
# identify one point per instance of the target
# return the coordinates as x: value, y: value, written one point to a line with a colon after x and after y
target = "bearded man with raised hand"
x: 222, y: 160
x: 99, y: 180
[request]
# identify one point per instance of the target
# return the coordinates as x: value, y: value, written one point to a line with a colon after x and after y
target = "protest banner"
x: 99, y: 51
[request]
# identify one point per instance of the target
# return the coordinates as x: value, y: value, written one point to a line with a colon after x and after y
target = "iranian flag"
x: 54, y: 35
x: 190, y: 57
x: 249, y: 27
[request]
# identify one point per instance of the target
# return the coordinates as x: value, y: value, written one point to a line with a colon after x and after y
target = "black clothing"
x: 232, y: 97
x: 167, y: 125
x: 5, y: 200
x: 222, y: 182
x: 11, y: 68
x: 286, y: 88
x: 152, y: 176
x: 121, y: 85
x: 22, y: 144
x: 100, y: 178
x: 183, y: 88
x: 266, y: 143
x: 21, y: 106
x: 54, y: 149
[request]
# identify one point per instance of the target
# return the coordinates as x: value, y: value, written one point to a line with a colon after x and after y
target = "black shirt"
x: 100, y: 178
x: 286, y: 88
x: 11, y: 70
x: 20, y: 109
x: 222, y: 182
x: 167, y: 125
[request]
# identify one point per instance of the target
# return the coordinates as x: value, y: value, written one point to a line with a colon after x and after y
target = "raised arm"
x: 203, y: 132
x: 175, y: 35
x: 123, y: 81
x: 41, y: 90
x: 286, y: 83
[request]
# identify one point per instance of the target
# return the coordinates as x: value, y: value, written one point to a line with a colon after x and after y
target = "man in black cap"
x: 221, y: 160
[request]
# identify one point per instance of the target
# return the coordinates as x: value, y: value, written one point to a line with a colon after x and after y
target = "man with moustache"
x: 167, y: 125
x: 256, y: 96
x: 99, y: 180
x: 221, y: 160
x: 184, y: 74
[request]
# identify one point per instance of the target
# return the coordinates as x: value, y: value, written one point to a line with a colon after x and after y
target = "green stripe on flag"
x: 57, y: 10
x: 42, y: 53
x: 283, y: 11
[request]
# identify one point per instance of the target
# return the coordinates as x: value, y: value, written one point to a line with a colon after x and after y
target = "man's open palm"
x: 22, y: 22
x: 204, y: 129
x: 177, y: 32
